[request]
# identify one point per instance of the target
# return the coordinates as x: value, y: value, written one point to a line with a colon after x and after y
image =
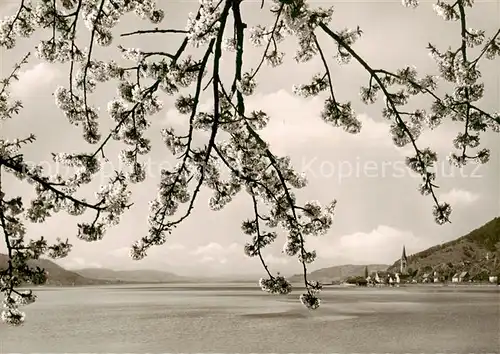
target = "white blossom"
x: 410, y: 3
x: 247, y: 84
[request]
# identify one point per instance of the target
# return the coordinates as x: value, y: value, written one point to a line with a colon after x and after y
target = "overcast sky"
x: 379, y: 207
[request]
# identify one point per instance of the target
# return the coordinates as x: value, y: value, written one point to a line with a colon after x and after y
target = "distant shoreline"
x: 226, y: 286
x: 452, y: 285
x: 420, y: 285
x: 121, y: 283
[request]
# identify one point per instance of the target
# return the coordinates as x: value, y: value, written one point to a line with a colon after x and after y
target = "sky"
x: 379, y: 208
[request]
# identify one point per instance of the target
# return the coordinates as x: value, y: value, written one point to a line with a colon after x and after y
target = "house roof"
x: 463, y: 274
x: 426, y: 275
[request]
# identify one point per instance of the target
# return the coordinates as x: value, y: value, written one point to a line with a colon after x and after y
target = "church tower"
x: 404, y: 262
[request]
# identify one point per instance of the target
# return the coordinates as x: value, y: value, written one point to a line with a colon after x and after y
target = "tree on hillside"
x: 268, y: 180
x: 412, y: 272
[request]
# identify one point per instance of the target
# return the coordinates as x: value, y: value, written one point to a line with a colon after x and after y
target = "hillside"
x: 57, y: 276
x: 478, y: 252
x: 338, y: 273
x: 131, y: 276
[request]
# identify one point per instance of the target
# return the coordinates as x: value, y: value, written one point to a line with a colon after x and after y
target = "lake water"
x: 241, y: 318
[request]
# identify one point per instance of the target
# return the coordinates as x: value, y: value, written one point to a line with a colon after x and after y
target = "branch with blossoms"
x: 269, y: 180
x: 19, y: 252
x: 54, y: 193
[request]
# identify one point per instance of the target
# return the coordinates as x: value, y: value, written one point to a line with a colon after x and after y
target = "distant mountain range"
x: 133, y: 276
x: 156, y: 276
x: 477, y: 252
x: 338, y: 273
x: 57, y: 275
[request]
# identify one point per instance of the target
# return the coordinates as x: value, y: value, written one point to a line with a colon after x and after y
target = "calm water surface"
x: 237, y: 318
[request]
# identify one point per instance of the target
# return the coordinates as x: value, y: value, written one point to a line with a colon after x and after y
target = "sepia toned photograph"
x: 250, y: 176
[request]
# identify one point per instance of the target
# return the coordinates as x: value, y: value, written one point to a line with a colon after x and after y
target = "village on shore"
x: 387, y: 278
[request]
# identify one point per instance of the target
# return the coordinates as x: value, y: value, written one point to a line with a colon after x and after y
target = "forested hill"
x: 478, y: 252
